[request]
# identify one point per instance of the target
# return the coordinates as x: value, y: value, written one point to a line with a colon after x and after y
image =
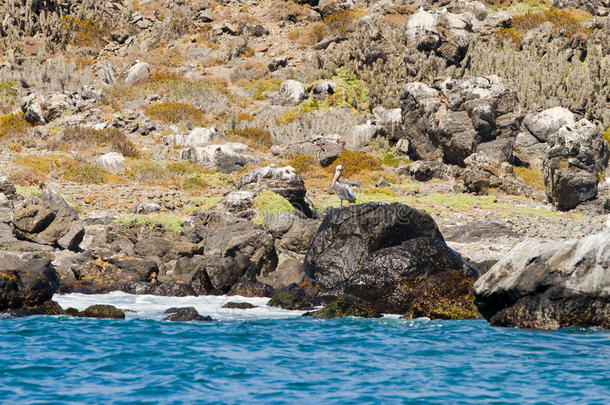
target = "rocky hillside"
x: 187, y: 147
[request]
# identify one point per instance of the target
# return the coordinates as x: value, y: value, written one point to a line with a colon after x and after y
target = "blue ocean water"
x: 344, y: 361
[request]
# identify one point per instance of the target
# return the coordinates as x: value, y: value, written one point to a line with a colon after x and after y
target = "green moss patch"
x: 170, y: 222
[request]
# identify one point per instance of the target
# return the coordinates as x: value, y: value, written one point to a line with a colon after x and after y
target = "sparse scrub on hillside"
x: 85, y: 173
x: 170, y: 221
x: 356, y: 162
x: 13, y: 126
x: 179, y: 174
x: 256, y: 137
x: 565, y: 21
x: 8, y: 96
x: 349, y: 92
x: 80, y: 138
x: 173, y: 112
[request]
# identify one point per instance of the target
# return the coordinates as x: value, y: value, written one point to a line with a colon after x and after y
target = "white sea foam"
x: 153, y: 307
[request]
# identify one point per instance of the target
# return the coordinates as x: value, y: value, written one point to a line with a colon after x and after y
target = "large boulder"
x: 280, y: 180
x: 545, y: 284
x: 394, y: 257
x: 324, y: 149
x: 227, y: 158
x: 138, y: 74
x: 421, y: 277
x: 347, y: 235
x: 451, y: 119
x: 48, y: 220
x: 547, y: 122
x: 291, y: 93
x: 112, y: 162
x: 197, y: 137
x: 235, y: 249
x: 574, y: 158
x: 27, y: 282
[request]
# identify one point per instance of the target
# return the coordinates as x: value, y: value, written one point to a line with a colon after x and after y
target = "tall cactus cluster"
x: 545, y: 73
x: 20, y: 18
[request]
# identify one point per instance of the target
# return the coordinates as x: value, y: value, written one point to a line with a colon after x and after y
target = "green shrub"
x: 173, y: 112
x: 356, y: 162
x: 13, y: 125
x: 268, y: 203
x: 85, y: 173
x: 170, y: 222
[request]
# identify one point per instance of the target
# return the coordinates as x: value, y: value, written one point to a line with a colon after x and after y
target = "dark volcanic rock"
x: 185, y: 315
x: 345, y: 305
x: 48, y: 220
x: 47, y: 308
x: 545, y: 284
x: 450, y: 120
x: 251, y: 289
x: 295, y: 297
x: 238, y: 305
x: 347, y: 235
x: 98, y: 311
x: 27, y: 283
x: 421, y: 277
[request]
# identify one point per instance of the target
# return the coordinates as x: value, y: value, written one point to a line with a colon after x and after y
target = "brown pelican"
x: 343, y: 191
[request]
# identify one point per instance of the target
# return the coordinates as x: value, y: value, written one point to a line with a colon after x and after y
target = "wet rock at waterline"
x: 545, y: 284
x: 187, y: 314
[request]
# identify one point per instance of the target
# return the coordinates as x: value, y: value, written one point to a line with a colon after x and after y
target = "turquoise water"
x: 65, y: 360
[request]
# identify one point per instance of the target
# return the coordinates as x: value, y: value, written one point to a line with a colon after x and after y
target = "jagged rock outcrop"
x: 27, y: 285
x: 227, y: 158
x: 324, y: 149
x: 574, y: 158
x: 292, y: 236
x: 451, y: 119
x: 48, y: 220
x: 197, y: 137
x: 546, y: 284
x: 441, y: 33
x: 235, y: 249
x: 280, y: 180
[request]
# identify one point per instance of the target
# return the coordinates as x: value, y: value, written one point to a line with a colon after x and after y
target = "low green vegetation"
x: 438, y: 202
x: 270, y: 203
x: 85, y: 173
x: 349, y: 92
x: 27, y: 191
x: 533, y: 178
x: 180, y: 174
x: 8, y: 96
x: 169, y: 221
x: 13, y: 125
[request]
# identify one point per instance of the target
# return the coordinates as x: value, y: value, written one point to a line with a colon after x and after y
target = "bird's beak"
x: 337, y: 173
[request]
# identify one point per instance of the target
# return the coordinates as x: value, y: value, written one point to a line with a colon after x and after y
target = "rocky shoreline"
x: 186, y: 150
x: 361, y: 260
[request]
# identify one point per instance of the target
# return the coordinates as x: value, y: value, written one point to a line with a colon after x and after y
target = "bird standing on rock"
x: 343, y: 191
